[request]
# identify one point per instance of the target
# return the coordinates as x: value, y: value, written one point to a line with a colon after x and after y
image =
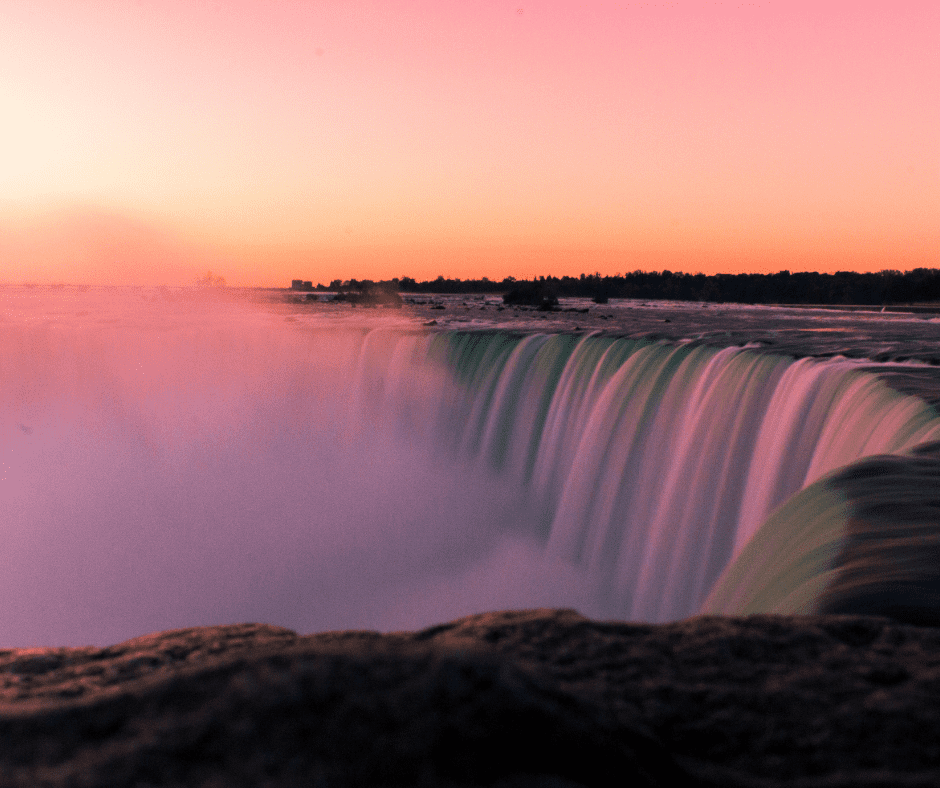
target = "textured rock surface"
x: 514, y: 699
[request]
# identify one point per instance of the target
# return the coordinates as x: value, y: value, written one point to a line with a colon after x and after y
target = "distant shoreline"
x: 844, y: 288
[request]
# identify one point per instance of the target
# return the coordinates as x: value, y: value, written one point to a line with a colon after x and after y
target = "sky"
x: 147, y: 142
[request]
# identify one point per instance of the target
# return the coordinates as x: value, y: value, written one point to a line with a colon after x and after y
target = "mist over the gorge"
x: 195, y: 456
x: 175, y: 458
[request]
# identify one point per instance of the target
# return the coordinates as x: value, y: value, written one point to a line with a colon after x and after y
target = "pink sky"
x: 148, y: 141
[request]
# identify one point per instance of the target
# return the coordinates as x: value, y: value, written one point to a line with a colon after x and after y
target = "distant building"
x: 300, y: 284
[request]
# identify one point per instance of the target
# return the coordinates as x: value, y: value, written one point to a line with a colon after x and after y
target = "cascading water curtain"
x: 652, y: 464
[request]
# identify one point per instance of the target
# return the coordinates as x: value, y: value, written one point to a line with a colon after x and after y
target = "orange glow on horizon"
x: 271, y: 141
x: 89, y: 247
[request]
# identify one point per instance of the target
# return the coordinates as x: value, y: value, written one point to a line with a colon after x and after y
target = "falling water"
x: 172, y: 461
x: 657, y: 463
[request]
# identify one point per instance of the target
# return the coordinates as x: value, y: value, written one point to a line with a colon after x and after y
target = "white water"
x: 170, y: 461
x: 655, y: 464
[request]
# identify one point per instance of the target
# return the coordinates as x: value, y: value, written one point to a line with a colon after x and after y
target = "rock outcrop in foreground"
x: 527, y: 698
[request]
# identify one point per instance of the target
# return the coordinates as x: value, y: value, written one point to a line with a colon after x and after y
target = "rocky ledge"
x: 531, y: 698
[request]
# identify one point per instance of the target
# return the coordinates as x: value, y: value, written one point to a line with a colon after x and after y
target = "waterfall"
x: 654, y: 465
x: 169, y: 462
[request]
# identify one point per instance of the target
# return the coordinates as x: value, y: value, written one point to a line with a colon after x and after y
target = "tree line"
x: 843, y: 287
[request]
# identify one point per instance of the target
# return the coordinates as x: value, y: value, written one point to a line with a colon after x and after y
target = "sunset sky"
x: 145, y: 142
